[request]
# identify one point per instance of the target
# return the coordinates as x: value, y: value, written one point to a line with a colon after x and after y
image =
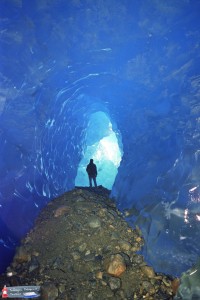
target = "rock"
x: 167, y: 283
x: 61, y: 288
x: 115, y: 236
x: 82, y: 247
x: 104, y: 283
x: 148, y: 271
x: 126, y: 258
x: 49, y: 291
x: 63, y: 297
x: 148, y: 287
x: 175, y: 285
x: 80, y: 199
x: 76, y: 255
x: 34, y: 264
x: 10, y: 272
x: 136, y: 247
x: 35, y: 253
x: 114, y: 283
x: 94, y: 222
x: 126, y: 246
x: 137, y: 259
x: 57, y: 263
x: 89, y: 257
x: 102, y: 212
x: 78, y: 192
x: 139, y: 239
x: 120, y: 295
x: 99, y: 275
x: 107, y: 249
x: 115, y: 265
x: 22, y: 255
x: 60, y: 211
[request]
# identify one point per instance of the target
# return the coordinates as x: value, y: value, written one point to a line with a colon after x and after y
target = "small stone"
x: 136, y: 247
x: 148, y: 287
x: 114, y: 283
x: 89, y: 257
x: 115, y: 265
x: 9, y: 274
x: 76, y: 255
x: 82, y: 247
x: 80, y: 199
x: 152, y: 290
x: 60, y: 211
x: 94, y: 222
x: 175, y: 285
x: 35, y: 253
x: 61, y: 288
x: 22, y: 255
x: 166, y: 282
x: 139, y: 239
x: 49, y: 291
x: 78, y: 192
x: 99, y: 275
x: 57, y: 263
x: 34, y: 264
x: 126, y: 246
x: 114, y: 236
x: 102, y: 212
x: 148, y: 271
x: 120, y: 294
x: 137, y: 259
x: 90, y: 295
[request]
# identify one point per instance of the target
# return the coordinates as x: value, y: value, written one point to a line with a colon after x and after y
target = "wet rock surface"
x: 82, y: 248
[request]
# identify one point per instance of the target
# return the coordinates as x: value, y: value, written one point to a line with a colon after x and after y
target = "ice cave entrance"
x: 103, y: 144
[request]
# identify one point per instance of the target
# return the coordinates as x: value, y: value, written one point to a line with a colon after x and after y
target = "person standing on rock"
x: 92, y: 173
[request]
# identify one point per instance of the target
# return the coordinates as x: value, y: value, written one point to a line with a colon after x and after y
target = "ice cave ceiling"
x: 138, y: 62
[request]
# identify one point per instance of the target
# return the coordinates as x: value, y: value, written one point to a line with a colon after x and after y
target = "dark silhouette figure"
x: 92, y: 172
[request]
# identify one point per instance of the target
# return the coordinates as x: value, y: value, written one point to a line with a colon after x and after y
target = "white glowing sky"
x: 108, y: 149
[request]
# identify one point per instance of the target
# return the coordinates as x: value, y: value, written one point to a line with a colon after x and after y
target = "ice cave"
x: 115, y: 80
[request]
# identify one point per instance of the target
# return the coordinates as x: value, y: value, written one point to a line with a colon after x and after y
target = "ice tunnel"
x: 104, y: 146
x: 74, y: 73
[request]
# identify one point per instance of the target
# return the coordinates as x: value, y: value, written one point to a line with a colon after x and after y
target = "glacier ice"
x: 137, y: 62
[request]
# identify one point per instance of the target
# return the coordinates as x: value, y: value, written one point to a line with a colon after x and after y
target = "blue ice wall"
x: 137, y: 61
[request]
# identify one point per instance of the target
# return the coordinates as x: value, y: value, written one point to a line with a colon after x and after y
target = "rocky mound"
x: 82, y: 248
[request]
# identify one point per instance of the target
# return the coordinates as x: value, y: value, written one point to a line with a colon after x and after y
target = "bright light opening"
x: 103, y: 145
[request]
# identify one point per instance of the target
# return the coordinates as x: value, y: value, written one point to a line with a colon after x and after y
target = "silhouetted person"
x: 92, y: 172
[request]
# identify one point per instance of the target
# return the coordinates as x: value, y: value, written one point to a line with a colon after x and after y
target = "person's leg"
x: 90, y: 181
x: 95, y: 182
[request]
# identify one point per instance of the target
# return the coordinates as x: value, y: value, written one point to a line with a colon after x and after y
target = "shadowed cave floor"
x: 82, y: 248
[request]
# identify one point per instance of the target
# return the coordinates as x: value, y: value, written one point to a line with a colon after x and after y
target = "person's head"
x: 91, y: 161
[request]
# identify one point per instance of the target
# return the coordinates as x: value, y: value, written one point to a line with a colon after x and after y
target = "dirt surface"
x: 82, y: 248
